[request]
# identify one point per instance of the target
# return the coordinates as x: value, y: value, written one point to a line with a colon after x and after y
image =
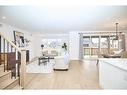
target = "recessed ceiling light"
x: 3, y: 17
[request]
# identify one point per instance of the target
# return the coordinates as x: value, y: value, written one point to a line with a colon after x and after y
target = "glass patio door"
x: 91, y: 46
x: 94, y: 46
x: 86, y: 46
x: 104, y: 44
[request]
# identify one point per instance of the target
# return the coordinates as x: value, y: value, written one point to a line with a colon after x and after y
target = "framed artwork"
x: 19, y: 38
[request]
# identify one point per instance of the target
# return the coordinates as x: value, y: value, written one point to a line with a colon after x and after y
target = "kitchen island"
x: 113, y: 73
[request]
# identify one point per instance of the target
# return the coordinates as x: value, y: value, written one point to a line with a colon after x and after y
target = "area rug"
x: 42, y: 68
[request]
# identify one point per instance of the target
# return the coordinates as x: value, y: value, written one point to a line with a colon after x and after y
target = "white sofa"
x: 62, y: 62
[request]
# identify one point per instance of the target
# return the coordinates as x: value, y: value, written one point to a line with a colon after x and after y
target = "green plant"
x: 64, y: 46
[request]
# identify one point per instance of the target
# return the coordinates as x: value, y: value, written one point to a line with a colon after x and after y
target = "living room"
x: 55, y: 53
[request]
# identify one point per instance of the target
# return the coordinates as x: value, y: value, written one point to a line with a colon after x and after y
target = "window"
x: 86, y: 45
x: 94, y: 45
x: 95, y: 41
x: 104, y: 41
x: 86, y: 41
x: 52, y: 43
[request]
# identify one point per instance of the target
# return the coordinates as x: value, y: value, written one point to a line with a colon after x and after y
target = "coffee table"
x: 44, y: 59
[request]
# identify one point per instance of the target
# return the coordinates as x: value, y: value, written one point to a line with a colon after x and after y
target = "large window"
x: 86, y: 41
x: 86, y: 45
x: 94, y: 45
x: 52, y: 43
x: 103, y: 43
x: 91, y: 45
x: 95, y: 41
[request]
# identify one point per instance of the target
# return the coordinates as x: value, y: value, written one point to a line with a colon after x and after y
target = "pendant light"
x: 116, y: 38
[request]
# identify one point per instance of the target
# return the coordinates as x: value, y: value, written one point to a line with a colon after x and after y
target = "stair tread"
x: 2, y: 68
x: 7, y: 82
x: 1, y: 65
x: 4, y: 73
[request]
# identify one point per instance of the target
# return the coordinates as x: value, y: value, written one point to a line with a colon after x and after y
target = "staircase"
x: 6, y: 82
x: 12, y: 65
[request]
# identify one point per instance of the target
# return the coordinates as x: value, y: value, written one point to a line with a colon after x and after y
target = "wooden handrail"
x: 16, y: 47
x: 23, y: 60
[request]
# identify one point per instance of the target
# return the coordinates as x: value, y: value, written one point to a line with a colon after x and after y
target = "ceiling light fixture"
x: 116, y: 28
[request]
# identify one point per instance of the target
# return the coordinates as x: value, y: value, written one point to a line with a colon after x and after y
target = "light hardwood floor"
x: 81, y: 75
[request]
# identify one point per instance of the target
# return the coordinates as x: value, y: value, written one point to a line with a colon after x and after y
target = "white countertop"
x: 120, y: 63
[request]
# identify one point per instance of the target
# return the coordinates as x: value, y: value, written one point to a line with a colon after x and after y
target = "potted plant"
x: 64, y: 46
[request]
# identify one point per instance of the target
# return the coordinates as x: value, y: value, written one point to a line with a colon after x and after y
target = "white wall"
x: 74, y: 45
x: 7, y: 30
x: 38, y: 41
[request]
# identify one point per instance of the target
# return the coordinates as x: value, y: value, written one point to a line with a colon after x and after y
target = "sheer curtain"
x: 80, y: 46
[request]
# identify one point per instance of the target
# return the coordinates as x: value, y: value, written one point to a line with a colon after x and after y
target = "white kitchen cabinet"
x: 113, y: 73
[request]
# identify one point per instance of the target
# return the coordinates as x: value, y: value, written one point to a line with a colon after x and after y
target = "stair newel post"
x: 23, y: 68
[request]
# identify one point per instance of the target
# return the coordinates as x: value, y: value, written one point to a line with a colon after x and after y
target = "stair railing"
x: 13, y: 58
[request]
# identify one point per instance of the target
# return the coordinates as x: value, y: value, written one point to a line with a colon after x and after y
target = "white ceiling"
x: 62, y: 19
